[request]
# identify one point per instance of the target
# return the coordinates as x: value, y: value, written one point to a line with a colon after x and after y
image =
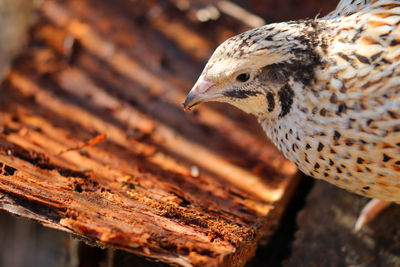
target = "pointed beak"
x: 201, y: 92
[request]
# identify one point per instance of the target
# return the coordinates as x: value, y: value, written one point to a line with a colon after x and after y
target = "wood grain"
x: 188, y: 189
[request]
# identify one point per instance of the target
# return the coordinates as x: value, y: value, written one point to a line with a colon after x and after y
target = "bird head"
x: 252, y: 70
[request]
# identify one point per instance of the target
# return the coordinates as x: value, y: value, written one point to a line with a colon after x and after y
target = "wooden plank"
x: 187, y: 189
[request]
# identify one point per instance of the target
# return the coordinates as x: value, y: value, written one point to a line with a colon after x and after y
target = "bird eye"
x: 244, y: 77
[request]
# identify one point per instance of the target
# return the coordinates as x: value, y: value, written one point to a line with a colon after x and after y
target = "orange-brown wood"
x: 94, y: 140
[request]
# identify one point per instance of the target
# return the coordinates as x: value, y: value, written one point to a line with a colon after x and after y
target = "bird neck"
x: 287, y: 131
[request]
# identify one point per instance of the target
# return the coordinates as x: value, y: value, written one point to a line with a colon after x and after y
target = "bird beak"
x: 199, y: 93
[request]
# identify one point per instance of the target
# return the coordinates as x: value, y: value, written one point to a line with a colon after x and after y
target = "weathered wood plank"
x: 187, y: 189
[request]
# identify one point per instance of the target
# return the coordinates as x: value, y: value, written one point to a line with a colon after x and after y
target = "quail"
x: 326, y: 91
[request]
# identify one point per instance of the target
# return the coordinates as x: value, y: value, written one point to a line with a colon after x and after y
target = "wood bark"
x: 94, y: 140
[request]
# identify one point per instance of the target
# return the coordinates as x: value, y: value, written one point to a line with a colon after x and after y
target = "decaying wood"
x: 94, y: 140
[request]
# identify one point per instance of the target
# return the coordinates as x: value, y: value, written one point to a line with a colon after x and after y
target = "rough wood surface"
x: 94, y: 140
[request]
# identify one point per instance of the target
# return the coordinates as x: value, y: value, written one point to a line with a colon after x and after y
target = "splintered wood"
x: 94, y: 140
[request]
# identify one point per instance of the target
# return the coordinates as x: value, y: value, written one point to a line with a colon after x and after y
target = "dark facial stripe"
x: 286, y: 95
x: 362, y: 59
x: 271, y: 102
x: 241, y: 93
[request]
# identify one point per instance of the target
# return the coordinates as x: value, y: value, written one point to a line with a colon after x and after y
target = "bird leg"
x: 370, y: 211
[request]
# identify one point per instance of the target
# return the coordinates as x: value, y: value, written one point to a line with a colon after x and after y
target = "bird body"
x: 326, y: 92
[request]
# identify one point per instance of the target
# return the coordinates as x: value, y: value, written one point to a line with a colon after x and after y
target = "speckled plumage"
x: 326, y: 91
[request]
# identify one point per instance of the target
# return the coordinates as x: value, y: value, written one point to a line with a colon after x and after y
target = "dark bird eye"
x: 244, y: 77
